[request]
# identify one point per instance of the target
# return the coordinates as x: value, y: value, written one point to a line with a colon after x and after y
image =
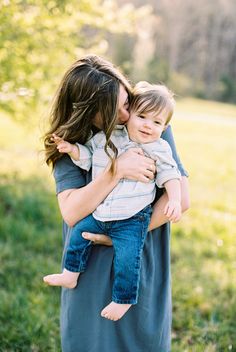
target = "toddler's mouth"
x: 146, y: 133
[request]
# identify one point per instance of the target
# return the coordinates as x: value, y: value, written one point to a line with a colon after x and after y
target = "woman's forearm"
x: 158, y: 217
x: 75, y: 204
x: 185, y: 197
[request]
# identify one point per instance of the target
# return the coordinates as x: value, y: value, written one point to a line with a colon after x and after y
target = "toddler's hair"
x: 152, y: 98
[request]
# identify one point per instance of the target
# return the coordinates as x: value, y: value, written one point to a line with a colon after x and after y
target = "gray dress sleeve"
x: 67, y: 175
x: 167, y: 135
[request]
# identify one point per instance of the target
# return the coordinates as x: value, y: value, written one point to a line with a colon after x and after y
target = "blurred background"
x: 190, y: 46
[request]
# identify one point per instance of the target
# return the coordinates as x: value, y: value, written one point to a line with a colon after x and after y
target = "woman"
x: 101, y: 94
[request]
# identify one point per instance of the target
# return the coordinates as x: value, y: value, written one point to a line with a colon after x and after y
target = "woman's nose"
x: 124, y: 115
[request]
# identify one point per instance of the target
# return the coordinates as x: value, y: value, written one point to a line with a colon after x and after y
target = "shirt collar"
x: 119, y: 127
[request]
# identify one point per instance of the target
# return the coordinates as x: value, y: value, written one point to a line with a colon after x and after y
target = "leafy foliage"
x: 40, y: 39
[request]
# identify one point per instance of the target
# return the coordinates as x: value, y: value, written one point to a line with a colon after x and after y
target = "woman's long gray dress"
x: 146, y: 327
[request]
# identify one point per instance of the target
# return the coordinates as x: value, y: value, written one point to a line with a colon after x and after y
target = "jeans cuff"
x: 124, y: 301
x: 73, y: 269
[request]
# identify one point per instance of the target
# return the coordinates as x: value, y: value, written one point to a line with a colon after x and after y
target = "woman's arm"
x: 77, y: 203
x: 158, y: 217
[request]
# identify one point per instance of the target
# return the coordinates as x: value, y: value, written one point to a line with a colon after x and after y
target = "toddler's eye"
x: 141, y: 117
x: 157, y: 122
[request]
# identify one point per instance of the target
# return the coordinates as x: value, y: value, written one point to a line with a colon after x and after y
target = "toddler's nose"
x: 147, y: 124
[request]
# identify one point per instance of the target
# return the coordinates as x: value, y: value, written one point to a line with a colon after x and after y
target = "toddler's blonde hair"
x: 152, y: 98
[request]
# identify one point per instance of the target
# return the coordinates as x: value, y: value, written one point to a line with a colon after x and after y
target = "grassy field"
x: 203, y: 243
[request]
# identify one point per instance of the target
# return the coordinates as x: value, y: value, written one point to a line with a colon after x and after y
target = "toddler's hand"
x: 173, y: 210
x: 63, y: 146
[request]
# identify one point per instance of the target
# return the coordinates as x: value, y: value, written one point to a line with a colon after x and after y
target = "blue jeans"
x: 128, y: 239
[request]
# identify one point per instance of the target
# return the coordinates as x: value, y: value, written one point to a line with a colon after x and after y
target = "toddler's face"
x: 146, y: 127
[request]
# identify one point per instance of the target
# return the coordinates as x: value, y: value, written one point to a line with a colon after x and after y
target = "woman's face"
x: 123, y: 109
x: 123, y: 106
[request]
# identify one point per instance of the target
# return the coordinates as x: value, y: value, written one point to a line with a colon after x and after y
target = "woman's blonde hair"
x: 152, y: 98
x: 90, y: 86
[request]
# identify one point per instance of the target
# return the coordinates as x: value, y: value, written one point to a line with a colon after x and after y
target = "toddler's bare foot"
x: 66, y: 279
x: 115, y: 311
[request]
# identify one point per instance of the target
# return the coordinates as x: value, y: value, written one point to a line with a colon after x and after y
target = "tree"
x: 40, y: 39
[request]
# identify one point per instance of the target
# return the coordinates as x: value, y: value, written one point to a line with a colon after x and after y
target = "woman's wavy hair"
x: 90, y: 86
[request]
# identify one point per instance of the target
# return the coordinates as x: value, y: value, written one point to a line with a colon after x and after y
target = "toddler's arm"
x: 80, y: 154
x: 166, y: 166
x: 168, y: 176
x: 173, y: 207
x: 66, y: 147
x: 158, y: 217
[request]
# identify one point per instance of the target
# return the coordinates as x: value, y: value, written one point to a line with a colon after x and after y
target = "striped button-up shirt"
x: 128, y: 197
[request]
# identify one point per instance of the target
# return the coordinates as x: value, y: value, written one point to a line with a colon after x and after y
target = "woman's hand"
x: 97, y: 239
x: 134, y: 165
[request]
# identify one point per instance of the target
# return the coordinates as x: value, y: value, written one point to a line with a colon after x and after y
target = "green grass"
x: 203, y: 243
x: 30, y: 242
x: 30, y: 236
